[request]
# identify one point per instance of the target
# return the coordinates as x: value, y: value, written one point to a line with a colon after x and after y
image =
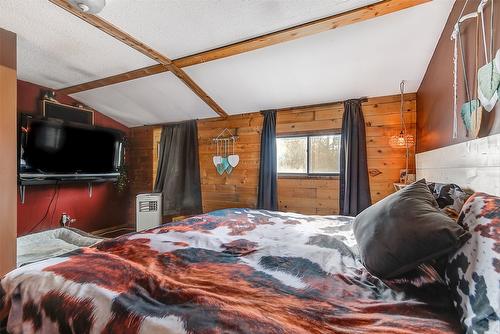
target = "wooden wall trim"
x: 302, y: 108
x: 8, y: 151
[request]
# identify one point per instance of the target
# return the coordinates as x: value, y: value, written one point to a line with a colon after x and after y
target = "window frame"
x: 308, y: 135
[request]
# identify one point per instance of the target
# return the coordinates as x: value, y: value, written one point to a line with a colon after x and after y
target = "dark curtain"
x: 178, y: 176
x: 354, y: 182
x: 268, y: 186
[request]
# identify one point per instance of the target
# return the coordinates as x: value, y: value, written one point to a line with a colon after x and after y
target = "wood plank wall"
x: 383, y: 121
x: 156, y: 152
x: 8, y: 151
x: 473, y: 165
x: 239, y: 189
x: 303, y: 195
x: 140, y: 164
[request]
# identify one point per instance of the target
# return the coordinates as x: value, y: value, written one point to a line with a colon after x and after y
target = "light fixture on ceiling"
x: 88, y: 6
x: 403, y: 139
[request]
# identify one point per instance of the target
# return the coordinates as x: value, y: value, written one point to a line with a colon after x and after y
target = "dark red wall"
x: 106, y: 208
x: 435, y: 95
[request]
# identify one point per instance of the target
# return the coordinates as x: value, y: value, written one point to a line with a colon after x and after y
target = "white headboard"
x: 474, y: 164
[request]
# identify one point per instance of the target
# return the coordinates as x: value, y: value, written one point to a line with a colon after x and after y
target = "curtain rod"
x: 362, y: 100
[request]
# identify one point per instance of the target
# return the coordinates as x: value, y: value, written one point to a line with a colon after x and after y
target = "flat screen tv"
x: 58, y: 149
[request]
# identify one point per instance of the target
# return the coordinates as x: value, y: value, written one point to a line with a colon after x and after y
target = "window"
x: 309, y: 155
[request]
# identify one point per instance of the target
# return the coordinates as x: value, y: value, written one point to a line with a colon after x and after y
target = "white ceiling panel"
x: 155, y: 99
x: 56, y: 49
x: 182, y: 27
x: 365, y: 59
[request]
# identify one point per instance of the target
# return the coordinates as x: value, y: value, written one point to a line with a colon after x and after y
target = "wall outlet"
x: 66, y: 220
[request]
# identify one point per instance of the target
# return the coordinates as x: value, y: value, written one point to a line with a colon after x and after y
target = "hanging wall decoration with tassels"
x: 488, y: 75
x: 483, y: 94
x: 225, y: 159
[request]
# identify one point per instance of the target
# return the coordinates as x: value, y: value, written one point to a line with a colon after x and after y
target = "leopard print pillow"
x: 473, y: 272
x: 449, y: 197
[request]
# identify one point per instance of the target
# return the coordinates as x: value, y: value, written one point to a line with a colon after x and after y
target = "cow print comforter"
x: 228, y: 271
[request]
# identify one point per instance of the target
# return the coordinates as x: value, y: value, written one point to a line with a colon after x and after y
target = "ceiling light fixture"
x: 403, y: 139
x: 88, y: 6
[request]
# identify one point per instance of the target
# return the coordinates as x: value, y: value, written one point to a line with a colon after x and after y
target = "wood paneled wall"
x: 139, y: 159
x: 383, y: 121
x: 303, y: 195
x: 239, y: 189
x: 156, y: 150
x: 8, y: 151
x: 473, y: 165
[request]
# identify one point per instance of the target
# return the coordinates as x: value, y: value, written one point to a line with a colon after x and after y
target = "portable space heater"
x: 148, y: 211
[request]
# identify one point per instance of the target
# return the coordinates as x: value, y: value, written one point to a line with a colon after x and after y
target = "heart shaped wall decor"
x: 233, y: 159
x: 220, y: 168
x: 217, y: 160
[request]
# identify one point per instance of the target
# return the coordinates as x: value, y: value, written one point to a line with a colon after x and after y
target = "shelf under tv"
x: 33, y: 179
x: 39, y: 178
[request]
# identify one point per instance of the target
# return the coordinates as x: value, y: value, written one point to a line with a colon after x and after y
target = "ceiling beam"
x: 285, y: 35
x: 165, y: 62
x: 302, y: 30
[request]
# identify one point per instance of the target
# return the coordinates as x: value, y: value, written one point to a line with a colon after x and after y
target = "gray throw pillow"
x: 403, y: 230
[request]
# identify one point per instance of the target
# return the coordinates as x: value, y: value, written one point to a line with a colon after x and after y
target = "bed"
x: 228, y: 271
x: 47, y: 244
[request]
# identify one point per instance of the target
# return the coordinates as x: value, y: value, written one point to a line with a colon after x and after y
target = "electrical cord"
x: 56, y: 187
x: 55, y: 205
x: 403, y: 126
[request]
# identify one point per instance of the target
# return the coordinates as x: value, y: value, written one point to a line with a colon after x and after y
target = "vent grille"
x: 148, y: 206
